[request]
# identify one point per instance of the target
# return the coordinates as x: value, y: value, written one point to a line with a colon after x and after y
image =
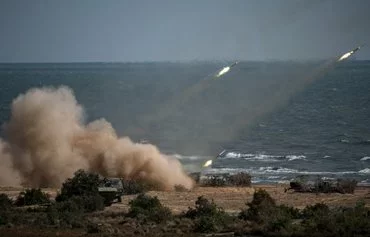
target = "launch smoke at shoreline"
x: 47, y: 142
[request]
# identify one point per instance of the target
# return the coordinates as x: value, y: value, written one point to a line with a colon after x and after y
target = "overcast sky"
x: 162, y: 30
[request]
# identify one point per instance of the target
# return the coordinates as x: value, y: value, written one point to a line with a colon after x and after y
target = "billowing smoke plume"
x: 8, y: 176
x: 47, y: 142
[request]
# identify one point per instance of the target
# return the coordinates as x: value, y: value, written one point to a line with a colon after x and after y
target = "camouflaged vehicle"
x: 111, y: 189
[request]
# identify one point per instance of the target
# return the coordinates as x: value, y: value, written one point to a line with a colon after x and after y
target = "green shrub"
x: 87, y: 203
x: 82, y: 184
x: 207, y: 215
x: 346, y: 185
x: 215, y: 181
x: 5, y: 202
x: 323, y: 186
x: 148, y: 208
x: 203, y: 207
x: 65, y: 215
x: 220, y: 180
x: 6, y: 205
x: 240, y: 179
x: 317, y: 210
x: 82, y: 190
x: 262, y: 204
x: 69, y: 213
x: 180, y: 188
x: 32, y: 197
x: 353, y: 221
x: 319, y: 220
x: 30, y: 216
x: 138, y: 186
x: 267, y: 217
x: 133, y: 187
x: 279, y: 219
x: 195, y: 176
x: 206, y: 224
x: 25, y: 217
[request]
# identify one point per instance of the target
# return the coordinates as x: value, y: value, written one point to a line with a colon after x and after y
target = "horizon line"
x: 175, y: 61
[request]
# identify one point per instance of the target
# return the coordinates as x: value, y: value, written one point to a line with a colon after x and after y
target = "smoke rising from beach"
x: 47, y: 141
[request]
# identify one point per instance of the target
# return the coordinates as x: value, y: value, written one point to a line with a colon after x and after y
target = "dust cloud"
x: 47, y: 140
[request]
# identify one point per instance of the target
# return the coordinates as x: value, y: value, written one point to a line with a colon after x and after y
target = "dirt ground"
x: 232, y: 199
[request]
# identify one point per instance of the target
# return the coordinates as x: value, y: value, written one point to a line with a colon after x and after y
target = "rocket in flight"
x: 348, y: 54
x: 225, y: 69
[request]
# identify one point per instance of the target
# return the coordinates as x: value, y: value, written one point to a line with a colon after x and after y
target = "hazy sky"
x: 159, y: 30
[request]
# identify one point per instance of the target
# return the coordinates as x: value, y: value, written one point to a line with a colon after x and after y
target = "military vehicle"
x: 111, y: 189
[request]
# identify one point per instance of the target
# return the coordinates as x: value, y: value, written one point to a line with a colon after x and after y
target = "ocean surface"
x: 276, y: 120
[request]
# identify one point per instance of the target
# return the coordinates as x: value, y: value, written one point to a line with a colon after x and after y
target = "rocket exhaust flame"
x: 345, y: 56
x: 225, y: 69
x: 348, y: 54
x: 208, y: 163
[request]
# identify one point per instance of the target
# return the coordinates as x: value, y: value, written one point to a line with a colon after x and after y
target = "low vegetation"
x: 240, y: 179
x: 323, y: 186
x: 32, y: 197
x: 135, y: 187
x: 5, y: 202
x: 148, y: 208
x: 82, y: 184
x: 78, y: 204
x: 207, y: 216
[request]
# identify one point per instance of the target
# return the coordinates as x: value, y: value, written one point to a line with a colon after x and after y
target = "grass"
x: 147, y: 216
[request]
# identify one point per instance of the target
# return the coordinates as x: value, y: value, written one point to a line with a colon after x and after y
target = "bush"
x: 180, y: 188
x: 240, y: 179
x: 207, y: 215
x: 6, y: 205
x: 71, y: 212
x: 87, y: 203
x: 346, y: 185
x: 68, y: 213
x: 138, y: 186
x: 320, y: 220
x: 267, y: 216
x: 215, y: 181
x: 133, y: 187
x: 323, y: 186
x: 195, y: 176
x: 280, y: 219
x: 148, y: 208
x: 261, y: 204
x: 313, y: 211
x: 82, y: 190
x: 353, y: 221
x: 5, y: 202
x: 206, y: 224
x: 32, y: 197
x: 82, y: 184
